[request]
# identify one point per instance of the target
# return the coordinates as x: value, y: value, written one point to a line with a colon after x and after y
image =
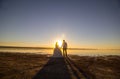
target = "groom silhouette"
x: 64, y: 45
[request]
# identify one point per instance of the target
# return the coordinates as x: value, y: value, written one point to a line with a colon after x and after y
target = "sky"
x: 82, y: 23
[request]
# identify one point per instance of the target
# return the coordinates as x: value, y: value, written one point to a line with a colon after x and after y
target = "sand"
x: 20, y: 65
x: 34, y: 66
x: 100, y: 67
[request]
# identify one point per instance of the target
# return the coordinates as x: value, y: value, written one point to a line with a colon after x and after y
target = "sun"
x: 59, y: 43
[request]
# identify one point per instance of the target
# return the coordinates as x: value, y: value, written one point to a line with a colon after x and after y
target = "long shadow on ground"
x: 56, y: 68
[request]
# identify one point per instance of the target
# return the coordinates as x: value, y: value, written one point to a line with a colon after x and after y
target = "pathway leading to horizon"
x: 60, y: 68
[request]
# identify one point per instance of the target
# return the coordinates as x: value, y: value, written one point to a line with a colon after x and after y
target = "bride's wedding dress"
x: 57, y: 53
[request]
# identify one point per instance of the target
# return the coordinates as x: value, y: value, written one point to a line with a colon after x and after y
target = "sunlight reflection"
x: 59, y: 43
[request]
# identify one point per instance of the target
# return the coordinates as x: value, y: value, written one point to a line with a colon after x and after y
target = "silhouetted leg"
x: 63, y: 52
x: 66, y: 52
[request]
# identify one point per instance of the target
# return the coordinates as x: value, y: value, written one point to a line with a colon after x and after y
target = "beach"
x: 59, y: 39
x: 100, y: 67
x: 27, y: 66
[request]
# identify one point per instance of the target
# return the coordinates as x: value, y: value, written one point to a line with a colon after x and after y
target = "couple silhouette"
x: 57, y: 51
x: 56, y: 67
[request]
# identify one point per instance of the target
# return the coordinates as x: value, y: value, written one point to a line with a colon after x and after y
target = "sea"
x: 80, y: 52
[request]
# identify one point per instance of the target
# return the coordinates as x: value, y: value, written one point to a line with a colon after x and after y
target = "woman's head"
x: 56, y: 45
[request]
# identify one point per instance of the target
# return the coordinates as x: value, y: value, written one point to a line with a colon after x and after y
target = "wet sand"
x: 37, y: 66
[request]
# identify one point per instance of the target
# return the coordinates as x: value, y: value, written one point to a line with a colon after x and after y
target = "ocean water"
x: 71, y: 52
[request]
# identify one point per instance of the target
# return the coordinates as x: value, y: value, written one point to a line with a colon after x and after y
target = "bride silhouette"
x: 57, y: 52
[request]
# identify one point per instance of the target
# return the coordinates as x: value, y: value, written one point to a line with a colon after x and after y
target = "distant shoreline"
x: 53, y: 48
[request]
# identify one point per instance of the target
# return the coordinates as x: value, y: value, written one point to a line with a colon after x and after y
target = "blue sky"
x: 82, y: 23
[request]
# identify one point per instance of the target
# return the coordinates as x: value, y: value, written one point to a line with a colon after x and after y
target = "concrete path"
x: 60, y: 68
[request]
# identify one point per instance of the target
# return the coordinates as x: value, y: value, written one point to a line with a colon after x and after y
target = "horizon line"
x: 71, y: 48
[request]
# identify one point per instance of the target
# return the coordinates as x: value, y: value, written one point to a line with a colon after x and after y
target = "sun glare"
x: 59, y: 43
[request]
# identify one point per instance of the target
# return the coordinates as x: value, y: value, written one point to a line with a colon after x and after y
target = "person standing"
x: 57, y: 52
x: 64, y: 45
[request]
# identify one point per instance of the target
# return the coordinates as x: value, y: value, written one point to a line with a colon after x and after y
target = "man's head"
x: 63, y: 40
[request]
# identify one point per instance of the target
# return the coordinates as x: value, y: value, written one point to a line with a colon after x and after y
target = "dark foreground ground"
x: 101, y: 67
x: 36, y: 66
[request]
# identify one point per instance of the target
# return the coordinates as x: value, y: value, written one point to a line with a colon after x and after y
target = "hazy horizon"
x: 71, y: 48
